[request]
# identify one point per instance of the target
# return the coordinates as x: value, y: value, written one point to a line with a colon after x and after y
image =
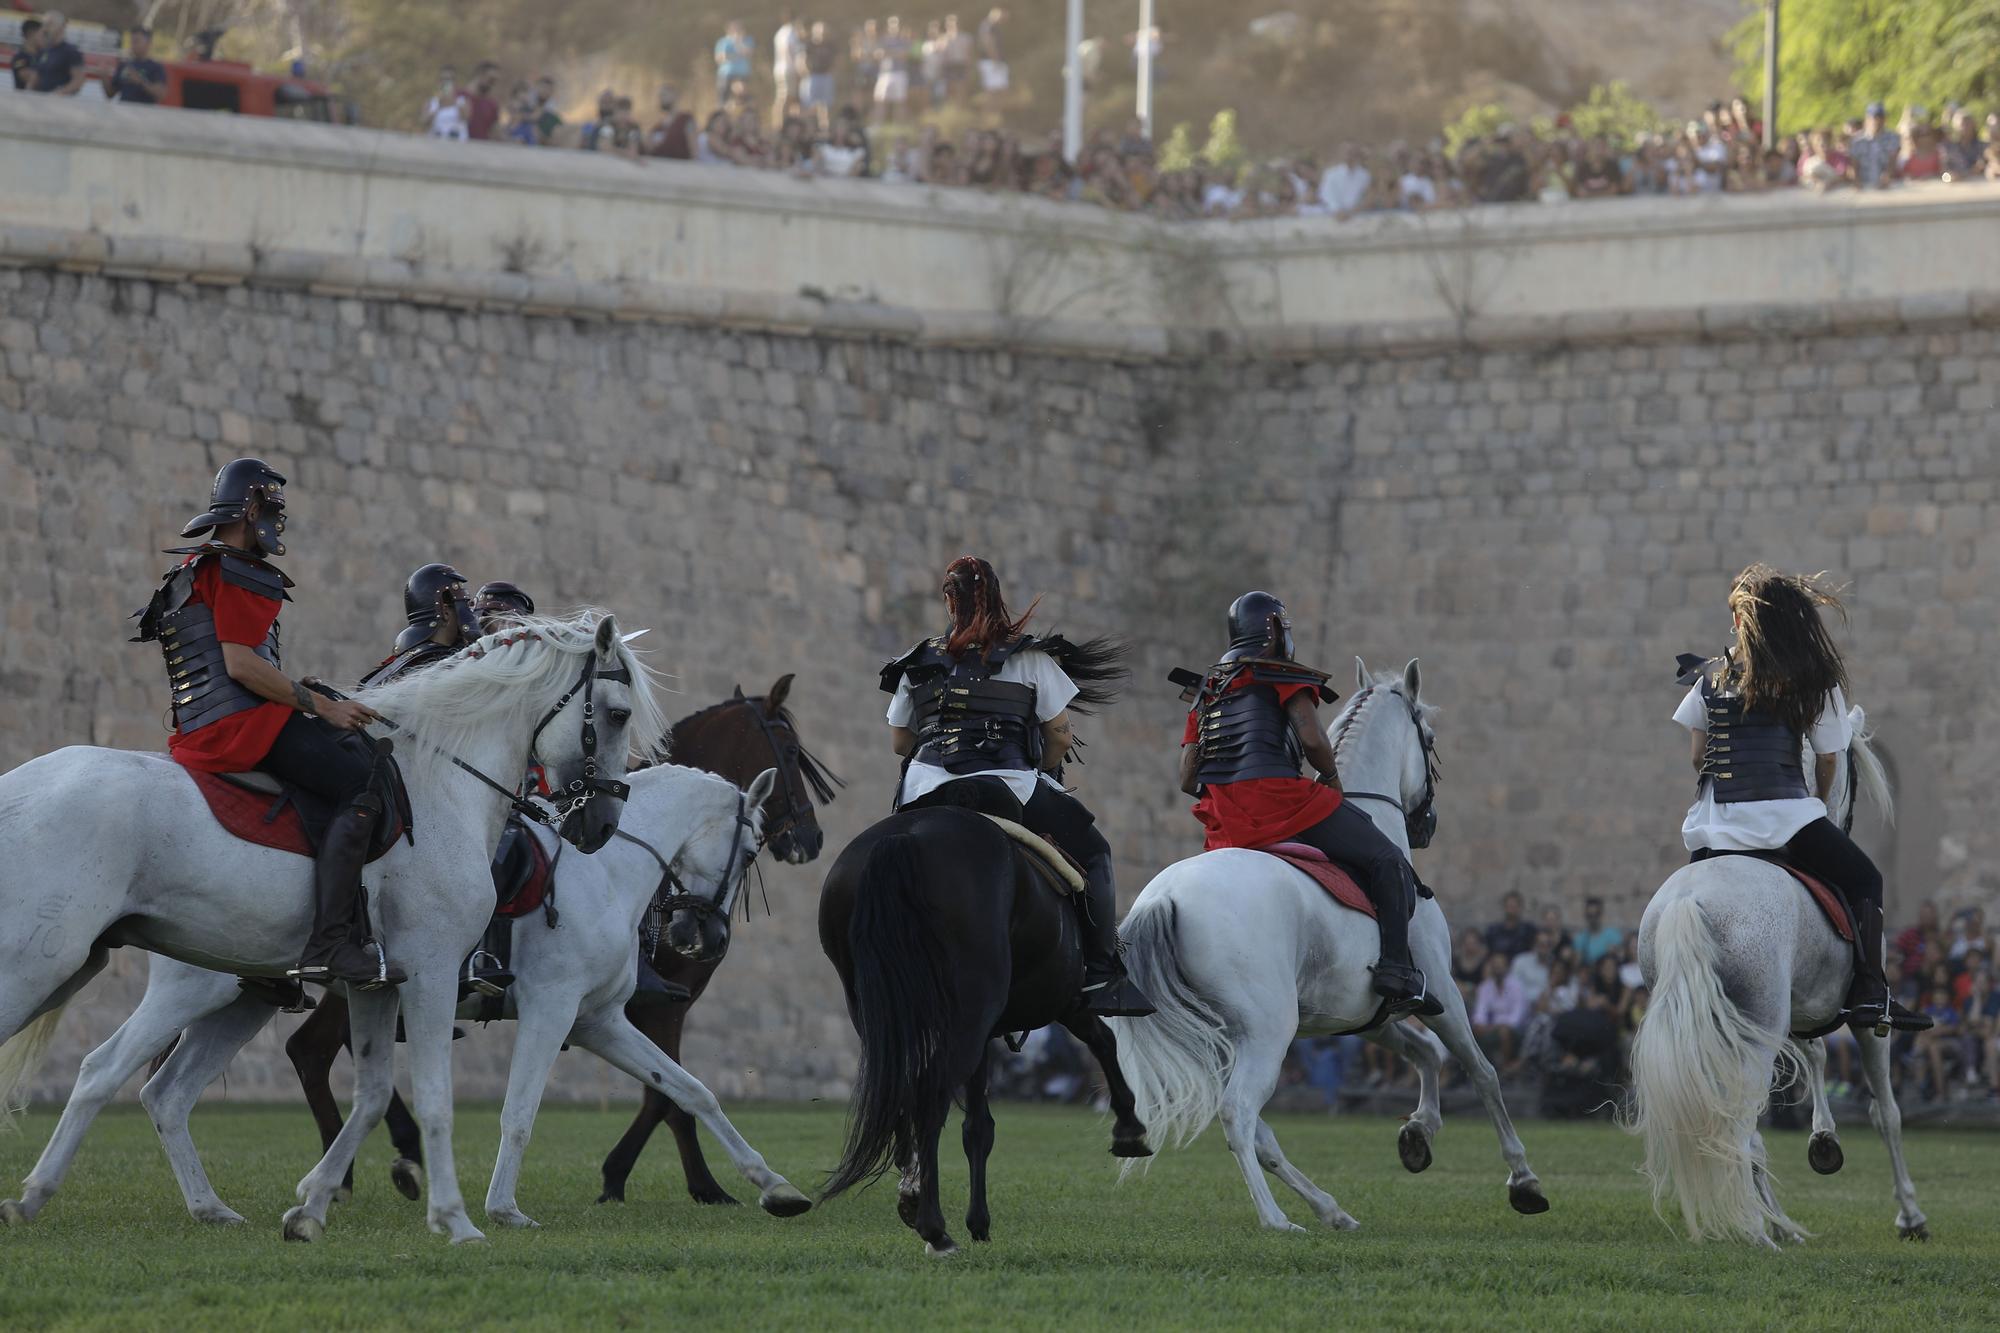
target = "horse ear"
x: 1361, y: 681
x: 1413, y: 680
x: 779, y: 693
x: 607, y: 637
x: 760, y: 790
x: 738, y: 694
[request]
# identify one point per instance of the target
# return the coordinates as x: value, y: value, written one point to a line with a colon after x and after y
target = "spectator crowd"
x: 815, y: 102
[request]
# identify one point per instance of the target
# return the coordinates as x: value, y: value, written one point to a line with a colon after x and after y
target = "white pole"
x: 1073, y: 87
x: 1145, y: 101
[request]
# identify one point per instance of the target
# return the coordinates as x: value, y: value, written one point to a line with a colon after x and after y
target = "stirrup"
x: 488, y: 983
x: 1396, y: 1006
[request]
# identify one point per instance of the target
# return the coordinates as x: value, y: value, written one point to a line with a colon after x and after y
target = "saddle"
x: 1312, y: 861
x: 1832, y: 902
x: 522, y: 869
x: 258, y: 808
x: 1055, y: 866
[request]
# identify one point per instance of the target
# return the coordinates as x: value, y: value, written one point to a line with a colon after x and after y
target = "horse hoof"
x: 300, y: 1227
x: 943, y: 1251
x: 13, y: 1214
x: 611, y: 1197
x: 782, y: 1200
x: 1823, y: 1152
x: 515, y: 1218
x: 714, y: 1195
x: 221, y: 1217
x: 1130, y: 1148
x: 1414, y: 1147
x: 345, y: 1194
x: 1526, y: 1198
x: 1342, y: 1222
x: 408, y: 1178
x: 1920, y: 1232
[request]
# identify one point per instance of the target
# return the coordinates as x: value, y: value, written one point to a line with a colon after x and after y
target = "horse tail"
x: 20, y: 1056
x: 1178, y: 1059
x: 1868, y: 771
x: 1699, y: 1082
x: 905, y: 1007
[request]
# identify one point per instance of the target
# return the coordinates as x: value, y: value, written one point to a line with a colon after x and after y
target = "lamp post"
x: 1144, y: 51
x: 1771, y: 73
x: 1073, y: 85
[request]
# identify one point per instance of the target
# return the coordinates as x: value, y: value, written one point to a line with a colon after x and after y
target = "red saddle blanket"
x: 534, y: 887
x: 259, y: 817
x: 1829, y: 902
x: 1324, y: 873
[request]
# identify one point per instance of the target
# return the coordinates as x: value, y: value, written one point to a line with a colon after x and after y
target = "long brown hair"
x: 1784, y: 662
x: 979, y: 615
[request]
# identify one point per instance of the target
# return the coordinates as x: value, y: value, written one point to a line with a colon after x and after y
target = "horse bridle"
x: 577, y: 795
x: 790, y: 814
x: 1420, y: 821
x: 737, y: 868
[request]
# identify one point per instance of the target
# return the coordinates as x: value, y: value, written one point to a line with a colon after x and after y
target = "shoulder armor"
x: 996, y: 656
x: 894, y: 671
x: 243, y: 569
x: 1284, y: 671
x: 1691, y: 668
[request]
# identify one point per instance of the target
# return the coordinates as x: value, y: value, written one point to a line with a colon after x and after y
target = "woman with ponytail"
x: 1752, y: 711
x: 981, y: 716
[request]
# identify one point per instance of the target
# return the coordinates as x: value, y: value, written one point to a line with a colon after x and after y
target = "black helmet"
x: 500, y: 600
x: 435, y: 594
x: 246, y: 488
x: 1258, y: 627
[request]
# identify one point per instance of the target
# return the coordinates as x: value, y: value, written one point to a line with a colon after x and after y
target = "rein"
x: 1420, y: 823
x: 681, y: 899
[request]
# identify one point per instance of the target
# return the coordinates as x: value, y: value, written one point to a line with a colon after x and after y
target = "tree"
x: 1177, y: 154
x: 1475, y: 122
x: 1615, y: 112
x: 1223, y: 149
x: 1836, y: 56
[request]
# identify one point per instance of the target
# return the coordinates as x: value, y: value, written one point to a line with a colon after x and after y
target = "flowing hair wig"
x: 979, y: 615
x: 1784, y: 662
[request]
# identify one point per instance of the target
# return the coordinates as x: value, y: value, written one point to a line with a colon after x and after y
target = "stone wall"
x: 1544, y: 512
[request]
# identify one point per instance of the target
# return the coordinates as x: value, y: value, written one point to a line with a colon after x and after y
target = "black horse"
x: 945, y: 937
x: 737, y: 739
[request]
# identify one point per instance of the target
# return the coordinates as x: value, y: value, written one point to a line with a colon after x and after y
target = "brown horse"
x: 736, y: 739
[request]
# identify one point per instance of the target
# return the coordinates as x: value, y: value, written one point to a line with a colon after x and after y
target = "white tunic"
x: 1759, y: 826
x: 1053, y: 692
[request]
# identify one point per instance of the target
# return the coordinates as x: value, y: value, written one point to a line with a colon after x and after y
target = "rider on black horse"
x: 441, y: 621
x: 989, y: 704
x: 1752, y: 711
x: 1253, y: 721
x: 215, y: 617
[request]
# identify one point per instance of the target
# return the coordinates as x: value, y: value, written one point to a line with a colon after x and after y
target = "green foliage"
x: 1836, y: 56
x: 1177, y: 153
x: 1223, y: 150
x: 1475, y: 122
x: 1616, y: 112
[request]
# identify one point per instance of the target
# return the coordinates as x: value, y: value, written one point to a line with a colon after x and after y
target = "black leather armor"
x: 965, y: 720
x: 423, y: 653
x: 203, y: 690
x: 1242, y: 732
x: 1750, y: 755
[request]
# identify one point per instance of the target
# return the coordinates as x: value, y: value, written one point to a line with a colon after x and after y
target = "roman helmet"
x: 1258, y: 627
x: 434, y: 595
x: 246, y: 488
x: 500, y: 601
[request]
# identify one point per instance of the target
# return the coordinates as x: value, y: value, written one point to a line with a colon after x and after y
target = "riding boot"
x: 655, y: 991
x: 486, y: 967
x: 332, y: 952
x: 1107, y: 991
x: 1869, y: 1003
x: 1397, y: 980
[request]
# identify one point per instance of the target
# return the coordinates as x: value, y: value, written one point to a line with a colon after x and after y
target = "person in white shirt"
x: 788, y: 62
x: 981, y: 716
x: 1751, y: 713
x: 1345, y: 183
x: 445, y: 113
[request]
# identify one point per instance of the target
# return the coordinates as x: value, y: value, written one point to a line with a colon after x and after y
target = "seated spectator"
x: 673, y: 134
x: 138, y: 77
x: 1825, y: 164
x: 1630, y: 974
x: 548, y: 121
x: 59, y: 69
x: 1922, y: 156
x: 1597, y: 175
x: 1344, y: 185
x: 1468, y: 960
x: 1941, y: 1041
x: 1581, y: 1070
x: 1646, y: 168
x: 25, y: 55
x: 1499, y: 1013
x: 1980, y: 1018
x: 1512, y: 934
x: 1964, y: 153
x: 1911, y: 940
x: 607, y: 111
x: 1607, y: 986
x: 1596, y: 939
x: 749, y: 147
x: 847, y: 155
x: 713, y: 145
x: 1711, y: 159
x: 1533, y: 969
x: 521, y: 116
x: 620, y: 134
x: 1968, y: 932
x: 1551, y: 173
x: 1505, y: 175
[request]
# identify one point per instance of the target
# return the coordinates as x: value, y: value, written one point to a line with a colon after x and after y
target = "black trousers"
x: 1824, y: 852
x: 1066, y: 822
x: 332, y: 764
x: 1351, y: 840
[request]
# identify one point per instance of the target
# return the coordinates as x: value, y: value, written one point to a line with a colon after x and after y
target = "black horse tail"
x: 1097, y: 666
x: 904, y: 1008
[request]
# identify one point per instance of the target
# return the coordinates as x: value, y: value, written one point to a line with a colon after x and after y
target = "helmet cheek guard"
x: 267, y: 518
x: 461, y: 610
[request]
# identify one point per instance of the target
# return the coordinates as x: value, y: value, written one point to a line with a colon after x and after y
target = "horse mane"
x: 812, y: 768
x: 1347, y: 721
x: 505, y: 681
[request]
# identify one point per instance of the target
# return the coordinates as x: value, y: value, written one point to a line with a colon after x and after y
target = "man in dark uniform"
x: 441, y: 621
x: 138, y: 77
x: 26, y: 54
x: 1252, y: 722
x: 987, y: 703
x: 215, y: 617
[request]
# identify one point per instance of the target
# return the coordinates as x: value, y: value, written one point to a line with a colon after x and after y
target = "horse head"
x: 709, y: 870
x: 744, y: 735
x: 1389, y: 754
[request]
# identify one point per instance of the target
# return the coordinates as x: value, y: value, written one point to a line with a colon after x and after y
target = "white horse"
x: 1242, y: 953
x: 101, y: 848
x: 571, y: 984
x: 1738, y: 958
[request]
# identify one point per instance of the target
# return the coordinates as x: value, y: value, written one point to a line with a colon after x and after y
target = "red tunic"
x: 1257, y: 812
x: 239, y: 742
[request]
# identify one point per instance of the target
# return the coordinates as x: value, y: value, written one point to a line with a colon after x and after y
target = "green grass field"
x: 1071, y: 1247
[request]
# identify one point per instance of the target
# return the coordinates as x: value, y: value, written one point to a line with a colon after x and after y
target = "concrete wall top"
x: 180, y: 193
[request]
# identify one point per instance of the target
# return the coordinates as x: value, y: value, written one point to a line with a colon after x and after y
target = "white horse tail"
x: 20, y: 1056
x: 1698, y: 1085
x: 1178, y: 1058
x: 1868, y: 771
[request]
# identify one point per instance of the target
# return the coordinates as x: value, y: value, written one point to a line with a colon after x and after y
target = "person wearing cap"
x: 1875, y: 150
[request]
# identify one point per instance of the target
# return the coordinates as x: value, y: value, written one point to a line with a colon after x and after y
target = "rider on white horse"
x: 441, y: 621
x: 1252, y: 722
x: 1750, y: 711
x: 215, y: 617
x: 989, y: 704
